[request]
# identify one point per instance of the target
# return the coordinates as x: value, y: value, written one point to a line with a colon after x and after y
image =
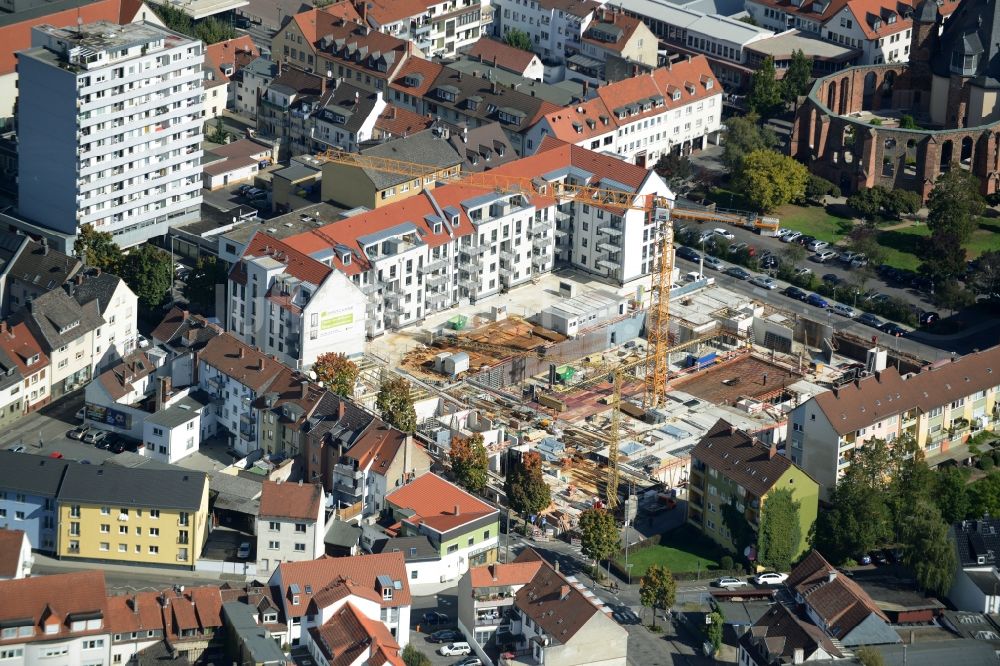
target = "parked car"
x: 243, y: 552
x: 470, y: 661
x: 763, y: 281
x: 244, y: 188
x: 864, y: 558
x: 736, y: 247
x: 80, y: 413
x: 832, y: 278
x: 446, y: 636
x: 844, y: 310
x: 796, y: 293
x: 894, y: 329
x: 848, y: 256
x: 781, y: 235
x: 78, y: 432
x: 433, y: 617
x: 769, y: 261
x: 770, y: 578
x: 728, y: 582
x: 714, y: 263
x: 824, y: 256
x: 860, y: 261
x: 95, y: 436
x: 790, y: 237
x: 868, y: 319
x: 817, y: 301
x: 801, y: 272
x: 738, y: 273
x: 805, y: 240
x: 687, y: 253
x: 725, y: 233
x: 459, y: 649
x: 816, y: 245
x: 56, y: 455
x: 876, y: 296
x: 86, y: 462
x: 16, y: 449
x: 928, y: 318
x: 117, y: 447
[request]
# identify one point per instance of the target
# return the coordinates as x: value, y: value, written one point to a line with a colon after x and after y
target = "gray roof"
x: 260, y: 647
x: 691, y: 19
x: 43, y: 266
x: 970, y: 624
x: 26, y: 10
x: 342, y: 534
x: 31, y: 474
x: 94, y: 284
x: 413, y: 548
x: 341, y: 102
x: 10, y: 374
x: 560, y: 95
x: 10, y: 243
x: 236, y: 493
x: 57, y: 319
x: 742, y: 612
x: 972, y: 29
x: 180, y: 412
x: 425, y: 148
x: 494, y: 98
x: 966, y: 651
x: 977, y: 541
x: 988, y: 582
x: 135, y: 487
x: 296, y: 172
x: 326, y: 422
x: 486, y: 142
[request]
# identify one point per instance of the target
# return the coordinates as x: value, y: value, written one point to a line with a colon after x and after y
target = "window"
x: 74, y: 511
x: 300, y: 548
x: 413, y: 575
x: 122, y: 548
x: 386, y: 594
x: 19, y: 515
x: 123, y: 529
x: 154, y: 513
x: 105, y: 529
x: 273, y: 545
x: 274, y: 526
x: 486, y: 535
x: 154, y: 531
x: 300, y: 528
x: 154, y: 550
x: 105, y: 546
x: 453, y: 548
x: 74, y: 529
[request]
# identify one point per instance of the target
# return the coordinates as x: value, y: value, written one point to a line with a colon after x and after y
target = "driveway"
x: 44, y: 432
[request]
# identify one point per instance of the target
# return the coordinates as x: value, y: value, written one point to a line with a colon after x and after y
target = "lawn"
x: 682, y: 550
x: 902, y: 246
x: 985, y: 238
x: 817, y: 221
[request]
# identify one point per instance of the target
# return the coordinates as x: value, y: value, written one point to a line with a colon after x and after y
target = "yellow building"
x: 132, y: 516
x: 352, y: 186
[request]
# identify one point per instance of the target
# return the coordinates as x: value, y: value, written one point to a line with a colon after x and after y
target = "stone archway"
x: 831, y: 96
x: 947, y: 150
x: 845, y: 99
x: 888, y: 83
x: 868, y: 96
x: 967, y: 155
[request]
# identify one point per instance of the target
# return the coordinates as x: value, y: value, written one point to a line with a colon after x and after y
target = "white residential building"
x: 110, y: 129
x: 293, y: 306
x: 436, y: 28
x: 251, y: 83
x: 176, y: 429
x: 117, y: 305
x: 556, y: 27
x: 976, y: 583
x: 291, y: 524
x: 15, y: 554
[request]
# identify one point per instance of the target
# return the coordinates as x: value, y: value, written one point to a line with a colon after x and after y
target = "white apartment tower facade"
x: 110, y: 129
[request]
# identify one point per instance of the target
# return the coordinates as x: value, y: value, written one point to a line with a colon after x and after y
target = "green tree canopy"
x: 769, y: 179
x: 98, y: 248
x: 414, y: 657
x: 955, y: 204
x: 527, y: 492
x: 984, y: 495
x: 201, y: 284
x: 469, y: 462
x: 779, y: 539
x: 599, y: 535
x: 714, y: 630
x: 951, y: 295
x: 928, y: 551
x: 765, y: 96
x: 744, y: 135
x: 395, y: 403
x: 951, y: 493
x: 149, y: 273
x: 674, y: 168
x: 519, y: 39
x: 985, y: 278
x: 798, y: 77
x: 880, y: 203
x: 209, y: 30
x: 337, y: 372
x: 657, y: 589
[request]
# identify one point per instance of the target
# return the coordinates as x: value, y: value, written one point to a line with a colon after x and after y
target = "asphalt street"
x: 44, y: 432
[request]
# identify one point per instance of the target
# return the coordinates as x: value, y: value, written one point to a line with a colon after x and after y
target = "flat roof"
x: 198, y: 9
x: 296, y: 172
x: 290, y: 224
x: 712, y: 25
x: 783, y: 44
x: 177, y: 414
x: 585, y: 303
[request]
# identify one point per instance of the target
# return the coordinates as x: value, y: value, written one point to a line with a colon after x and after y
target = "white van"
x: 459, y: 649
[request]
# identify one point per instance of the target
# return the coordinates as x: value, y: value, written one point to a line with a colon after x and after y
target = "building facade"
x: 28, y: 489
x: 291, y: 524
x: 555, y: 27
x: 110, y: 129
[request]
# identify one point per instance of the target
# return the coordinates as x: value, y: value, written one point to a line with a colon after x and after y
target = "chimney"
x: 878, y: 376
x: 831, y: 575
x: 135, y: 604
x: 457, y: 511
x: 495, y: 87
x: 305, y: 389
x: 493, y: 571
x: 635, y: 71
x: 688, y: 57
x: 732, y: 429
x: 773, y: 451
x: 260, y: 364
x: 341, y: 408
x: 557, y: 566
x: 163, y: 388
x: 357, y: 98
x: 465, y: 134
x: 586, y: 90
x: 563, y: 592
x: 240, y: 353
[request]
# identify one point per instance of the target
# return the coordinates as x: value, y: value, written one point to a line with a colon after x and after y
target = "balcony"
x: 540, y: 260
x: 541, y: 241
x: 347, y: 492
x: 562, y: 216
x: 506, y: 270
x: 436, y: 280
x: 507, y: 255
x: 370, y: 288
x: 540, y: 226
x: 437, y: 297
x: 473, y: 250
x: 610, y: 231
x: 608, y: 264
x: 608, y: 247
x: 468, y: 282
x: 349, y: 511
x: 434, y: 265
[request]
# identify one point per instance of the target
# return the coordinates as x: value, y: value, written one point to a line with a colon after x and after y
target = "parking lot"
x: 44, y: 432
x: 446, y: 604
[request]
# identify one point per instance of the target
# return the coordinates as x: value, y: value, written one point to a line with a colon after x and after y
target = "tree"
x: 469, y: 462
x: 98, y: 248
x: 218, y: 134
x: 984, y: 495
x: 951, y: 493
x: 818, y: 187
x: 414, y: 657
x: 209, y: 30
x: 867, y: 202
x: 927, y: 550
x: 526, y: 489
x: 657, y: 589
x: 769, y: 179
x: 798, y: 77
x: 985, y: 277
x: 780, y: 536
x: 869, y: 656
x: 674, y: 168
x: 337, y: 372
x: 599, y: 535
x: 864, y: 238
x: 714, y: 630
x: 943, y: 255
x: 395, y: 404
x: 519, y: 39
x: 902, y: 202
x: 765, y: 90
x: 952, y: 296
x: 906, y: 121
x: 955, y: 204
x: 149, y: 273
x: 200, y: 287
x: 792, y: 254
x: 745, y: 135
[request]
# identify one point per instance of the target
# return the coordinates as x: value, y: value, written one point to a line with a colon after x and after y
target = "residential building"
x: 485, y: 147
x: 181, y: 335
x: 291, y: 524
x: 939, y: 407
x: 780, y: 636
x: 312, y: 593
x: 15, y: 554
x: 555, y: 27
x: 251, y: 82
x: 674, y: 109
x: 555, y: 620
x: 23, y: 358
x: 73, y: 335
x: 976, y: 583
x: 613, y: 33
x: 118, y: 307
x: 380, y: 460
x: 222, y: 61
x: 77, y: 167
x: 22, y: 16
x: 236, y: 375
x: 279, y: 109
x: 422, y: 558
x: 486, y: 600
x: 344, y: 118
x: 510, y: 58
x: 731, y: 467
x: 437, y: 28
x: 396, y: 122
x: 355, y: 186
x: 34, y: 269
x: 28, y: 489
x: 837, y: 605
x: 464, y: 529
x: 60, y: 618
x: 350, y: 635
x: 254, y: 643
x: 178, y: 427
x: 293, y: 306
x: 156, y: 517
x: 121, y: 398
x: 404, y: 257
x: 136, y: 623
x: 292, y: 402
x: 237, y: 162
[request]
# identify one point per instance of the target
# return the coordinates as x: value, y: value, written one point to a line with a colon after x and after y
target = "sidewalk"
x: 66, y: 566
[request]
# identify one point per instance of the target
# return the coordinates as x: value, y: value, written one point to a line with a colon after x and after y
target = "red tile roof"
x: 240, y: 362
x: 296, y: 263
x: 230, y: 52
x: 380, y: 442
x: 297, y: 501
x: 558, y: 606
x: 422, y: 72
x: 439, y: 504
x: 350, y: 635
x: 118, y: 380
x: 315, y: 23
x: 391, y: 11
x: 612, y: 19
x: 134, y: 613
x: 834, y: 597
x: 397, y: 121
x: 17, y: 36
x: 498, y: 575
x: 10, y: 552
x: 21, y: 346
x: 52, y: 600
x: 331, y: 578
x: 505, y: 56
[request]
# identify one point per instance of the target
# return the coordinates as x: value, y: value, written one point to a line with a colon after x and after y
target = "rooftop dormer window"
x: 69, y: 327
x: 32, y: 360
x: 386, y: 594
